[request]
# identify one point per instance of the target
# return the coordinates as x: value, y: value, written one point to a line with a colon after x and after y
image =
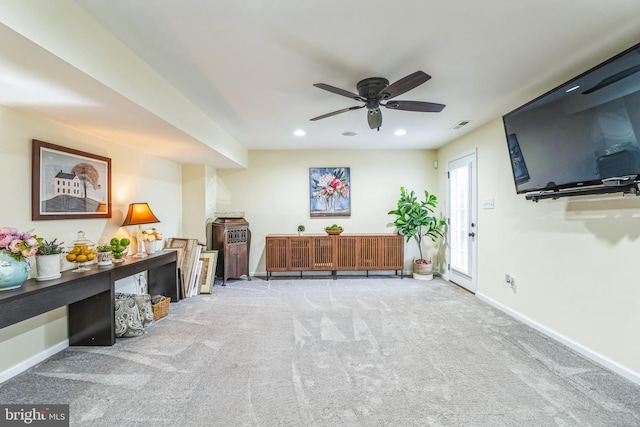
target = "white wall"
x: 274, y: 191
x: 198, y: 200
x: 574, y: 260
x: 135, y: 177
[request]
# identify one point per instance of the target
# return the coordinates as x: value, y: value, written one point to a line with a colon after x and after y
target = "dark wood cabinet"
x: 89, y: 296
x: 334, y: 253
x: 231, y: 237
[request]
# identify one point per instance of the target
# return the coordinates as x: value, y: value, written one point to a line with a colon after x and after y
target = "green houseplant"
x: 414, y: 219
x: 48, y: 260
x: 104, y: 255
x: 50, y: 248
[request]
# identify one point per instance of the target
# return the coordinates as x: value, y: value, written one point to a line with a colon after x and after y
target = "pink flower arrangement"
x: 19, y: 245
x: 151, y: 234
x: 331, y: 185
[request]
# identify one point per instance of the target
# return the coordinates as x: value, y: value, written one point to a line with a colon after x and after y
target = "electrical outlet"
x: 511, y: 281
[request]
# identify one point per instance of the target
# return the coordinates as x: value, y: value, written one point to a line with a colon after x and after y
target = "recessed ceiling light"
x: 349, y: 133
x: 299, y: 132
x: 400, y: 132
x: 572, y: 89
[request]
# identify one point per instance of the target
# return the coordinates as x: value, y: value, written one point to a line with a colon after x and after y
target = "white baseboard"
x: 32, y: 361
x: 585, y: 351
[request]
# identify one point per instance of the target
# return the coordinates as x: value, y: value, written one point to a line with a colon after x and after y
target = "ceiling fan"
x: 376, y: 92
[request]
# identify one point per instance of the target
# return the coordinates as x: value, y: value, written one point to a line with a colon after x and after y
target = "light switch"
x: 487, y: 204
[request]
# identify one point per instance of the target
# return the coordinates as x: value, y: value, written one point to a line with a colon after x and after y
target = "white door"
x: 462, y: 220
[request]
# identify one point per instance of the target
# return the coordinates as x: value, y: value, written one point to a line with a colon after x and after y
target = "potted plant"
x: 414, y: 219
x: 104, y: 255
x: 48, y: 260
x: 300, y: 230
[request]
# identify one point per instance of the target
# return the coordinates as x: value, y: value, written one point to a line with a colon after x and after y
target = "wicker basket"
x: 161, y: 309
x: 423, y: 269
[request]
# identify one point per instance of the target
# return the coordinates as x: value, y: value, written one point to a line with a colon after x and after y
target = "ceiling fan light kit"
x: 374, y: 90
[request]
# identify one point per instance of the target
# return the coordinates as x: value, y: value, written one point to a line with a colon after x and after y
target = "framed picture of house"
x: 68, y: 183
x: 329, y: 192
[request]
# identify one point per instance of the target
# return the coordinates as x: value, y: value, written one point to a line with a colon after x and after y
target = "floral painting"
x: 329, y: 192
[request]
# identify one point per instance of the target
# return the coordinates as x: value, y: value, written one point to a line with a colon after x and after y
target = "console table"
x: 89, y: 295
x: 362, y: 252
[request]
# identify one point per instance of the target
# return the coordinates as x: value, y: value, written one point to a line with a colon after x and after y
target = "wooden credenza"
x: 361, y: 252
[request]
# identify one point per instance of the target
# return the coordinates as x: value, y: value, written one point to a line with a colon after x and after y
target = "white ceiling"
x: 249, y: 67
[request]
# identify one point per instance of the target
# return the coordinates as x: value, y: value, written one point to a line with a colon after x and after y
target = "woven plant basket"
x: 423, y: 269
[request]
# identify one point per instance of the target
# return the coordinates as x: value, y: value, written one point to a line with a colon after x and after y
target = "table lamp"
x: 138, y: 214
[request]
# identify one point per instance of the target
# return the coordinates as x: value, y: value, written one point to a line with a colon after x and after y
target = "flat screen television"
x: 583, y: 133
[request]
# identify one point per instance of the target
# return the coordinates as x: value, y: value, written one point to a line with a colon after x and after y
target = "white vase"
x: 151, y: 246
x: 104, y: 259
x: 48, y: 267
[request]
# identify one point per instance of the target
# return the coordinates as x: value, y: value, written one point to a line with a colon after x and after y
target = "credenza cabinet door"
x: 369, y: 254
x: 288, y: 253
x: 392, y: 257
x: 300, y: 253
x: 277, y: 253
x: 323, y: 256
x: 347, y: 252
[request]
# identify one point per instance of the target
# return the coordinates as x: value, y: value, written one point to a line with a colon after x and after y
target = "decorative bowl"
x: 333, y: 232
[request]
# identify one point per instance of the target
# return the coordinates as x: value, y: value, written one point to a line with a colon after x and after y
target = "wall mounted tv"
x: 582, y: 135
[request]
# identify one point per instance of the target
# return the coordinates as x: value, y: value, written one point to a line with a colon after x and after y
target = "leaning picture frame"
x: 207, y: 279
x: 68, y: 183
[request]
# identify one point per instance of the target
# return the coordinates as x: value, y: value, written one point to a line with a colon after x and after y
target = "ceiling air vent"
x: 461, y: 123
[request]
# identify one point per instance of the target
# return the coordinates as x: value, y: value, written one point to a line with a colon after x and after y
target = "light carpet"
x: 319, y: 352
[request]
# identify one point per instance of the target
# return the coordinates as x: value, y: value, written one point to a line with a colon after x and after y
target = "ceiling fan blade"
x: 424, y: 107
x: 405, y: 84
x: 344, y: 110
x: 374, y: 117
x: 339, y: 91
